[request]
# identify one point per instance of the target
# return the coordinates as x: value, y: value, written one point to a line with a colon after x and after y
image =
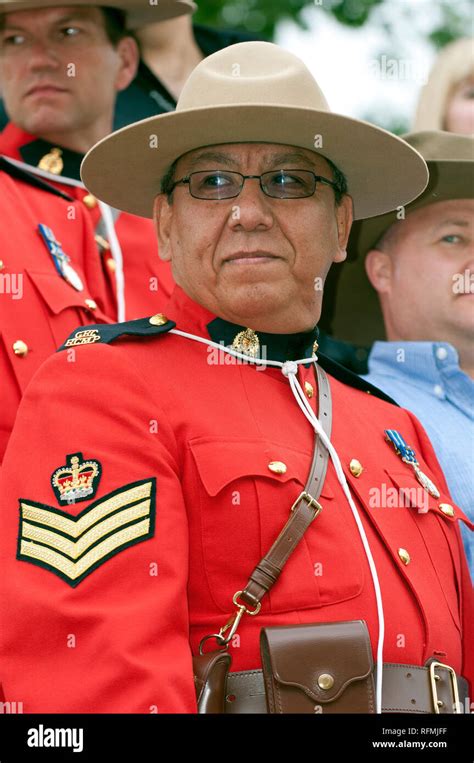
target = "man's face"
x: 58, y: 69
x: 424, y: 275
x: 254, y: 260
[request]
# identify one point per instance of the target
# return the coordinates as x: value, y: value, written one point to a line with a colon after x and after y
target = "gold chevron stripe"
x: 76, y: 527
x: 74, y: 570
x: 75, y: 549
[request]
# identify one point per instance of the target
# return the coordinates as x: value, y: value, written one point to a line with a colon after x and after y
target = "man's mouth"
x: 248, y: 258
x: 45, y: 89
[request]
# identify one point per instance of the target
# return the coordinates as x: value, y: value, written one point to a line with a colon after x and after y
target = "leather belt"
x: 434, y: 688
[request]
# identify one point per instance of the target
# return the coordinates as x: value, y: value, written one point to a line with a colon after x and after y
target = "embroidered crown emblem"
x: 77, y: 481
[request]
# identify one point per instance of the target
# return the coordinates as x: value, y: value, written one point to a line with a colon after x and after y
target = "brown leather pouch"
x: 210, y: 677
x: 321, y: 668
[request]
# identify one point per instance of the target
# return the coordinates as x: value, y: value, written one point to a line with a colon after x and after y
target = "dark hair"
x: 167, y: 181
x: 339, y: 179
x: 114, y: 24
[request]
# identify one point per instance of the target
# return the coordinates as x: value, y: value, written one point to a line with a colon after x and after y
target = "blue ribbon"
x: 406, y: 453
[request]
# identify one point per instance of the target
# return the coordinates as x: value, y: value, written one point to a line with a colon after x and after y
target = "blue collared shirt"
x: 425, y: 378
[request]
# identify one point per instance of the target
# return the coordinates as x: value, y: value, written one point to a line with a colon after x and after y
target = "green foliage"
x: 260, y: 17
x: 352, y: 12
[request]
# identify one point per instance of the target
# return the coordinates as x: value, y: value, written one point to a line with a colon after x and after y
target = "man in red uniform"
x: 61, y: 67
x: 189, y: 436
x: 51, y: 280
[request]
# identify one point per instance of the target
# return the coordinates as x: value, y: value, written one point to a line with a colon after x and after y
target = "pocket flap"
x: 220, y: 461
x: 56, y: 292
x: 412, y: 493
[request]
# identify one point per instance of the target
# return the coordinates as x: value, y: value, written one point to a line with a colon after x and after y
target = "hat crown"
x: 252, y: 73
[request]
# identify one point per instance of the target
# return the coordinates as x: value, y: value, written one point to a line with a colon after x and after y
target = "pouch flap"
x: 309, y: 657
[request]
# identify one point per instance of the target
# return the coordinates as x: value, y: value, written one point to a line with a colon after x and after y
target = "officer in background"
x: 61, y: 67
x: 169, y: 51
x: 189, y: 435
x: 410, y: 282
x: 51, y: 280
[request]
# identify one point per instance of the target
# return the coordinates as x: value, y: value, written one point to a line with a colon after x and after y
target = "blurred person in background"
x: 447, y: 100
x: 50, y: 278
x: 61, y: 67
x: 169, y: 51
x: 409, y: 286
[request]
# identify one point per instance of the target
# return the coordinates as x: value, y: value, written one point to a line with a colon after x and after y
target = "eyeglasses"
x: 278, y: 184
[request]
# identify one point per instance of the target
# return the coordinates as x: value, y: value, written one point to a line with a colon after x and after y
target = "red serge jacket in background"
x: 110, y: 596
x: 39, y: 308
x: 148, y: 280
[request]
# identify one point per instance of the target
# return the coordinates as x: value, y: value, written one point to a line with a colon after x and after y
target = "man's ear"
x: 379, y: 268
x: 129, y: 55
x: 162, y: 214
x: 344, y: 217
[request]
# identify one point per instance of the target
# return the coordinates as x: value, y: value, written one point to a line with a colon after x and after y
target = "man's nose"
x: 252, y: 208
x: 42, y: 55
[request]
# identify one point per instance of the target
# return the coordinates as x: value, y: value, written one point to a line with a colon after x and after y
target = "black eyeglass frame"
x: 317, y: 178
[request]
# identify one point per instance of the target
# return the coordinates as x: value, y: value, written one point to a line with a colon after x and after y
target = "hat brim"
x: 126, y: 167
x: 139, y: 12
x: 357, y: 316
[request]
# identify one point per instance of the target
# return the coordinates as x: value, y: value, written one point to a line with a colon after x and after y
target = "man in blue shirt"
x: 417, y: 290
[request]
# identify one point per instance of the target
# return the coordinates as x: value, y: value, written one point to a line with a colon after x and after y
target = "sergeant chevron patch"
x: 72, y: 547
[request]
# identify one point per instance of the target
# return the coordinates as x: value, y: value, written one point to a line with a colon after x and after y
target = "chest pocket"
x: 438, y: 533
x: 410, y: 520
x: 243, y: 507
x: 49, y: 310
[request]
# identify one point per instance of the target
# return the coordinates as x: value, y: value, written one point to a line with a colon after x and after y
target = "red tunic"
x: 166, y: 409
x: 37, y: 306
x: 148, y: 280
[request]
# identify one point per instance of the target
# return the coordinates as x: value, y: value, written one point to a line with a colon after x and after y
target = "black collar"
x: 283, y: 347
x: 279, y: 347
x: 33, y: 152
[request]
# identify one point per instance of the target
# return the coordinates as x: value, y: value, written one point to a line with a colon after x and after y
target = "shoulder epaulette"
x: 27, y: 177
x: 105, y: 333
x: 342, y: 374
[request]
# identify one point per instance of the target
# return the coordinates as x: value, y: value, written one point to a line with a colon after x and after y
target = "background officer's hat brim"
x: 139, y: 12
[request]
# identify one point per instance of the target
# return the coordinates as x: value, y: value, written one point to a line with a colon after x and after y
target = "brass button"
x: 325, y: 681
x: 20, y: 348
x: 309, y: 389
x: 90, y: 201
x: 278, y: 467
x: 315, y: 347
x: 404, y: 555
x: 2, y: 265
x: 102, y: 242
x: 447, y: 509
x: 356, y: 467
x: 90, y: 304
x: 158, y: 320
x: 111, y: 265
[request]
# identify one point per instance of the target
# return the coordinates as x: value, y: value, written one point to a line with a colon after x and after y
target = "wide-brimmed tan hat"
x: 253, y: 92
x: 139, y: 12
x: 450, y: 157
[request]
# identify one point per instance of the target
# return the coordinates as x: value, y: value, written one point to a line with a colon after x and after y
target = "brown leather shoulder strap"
x: 303, y: 511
